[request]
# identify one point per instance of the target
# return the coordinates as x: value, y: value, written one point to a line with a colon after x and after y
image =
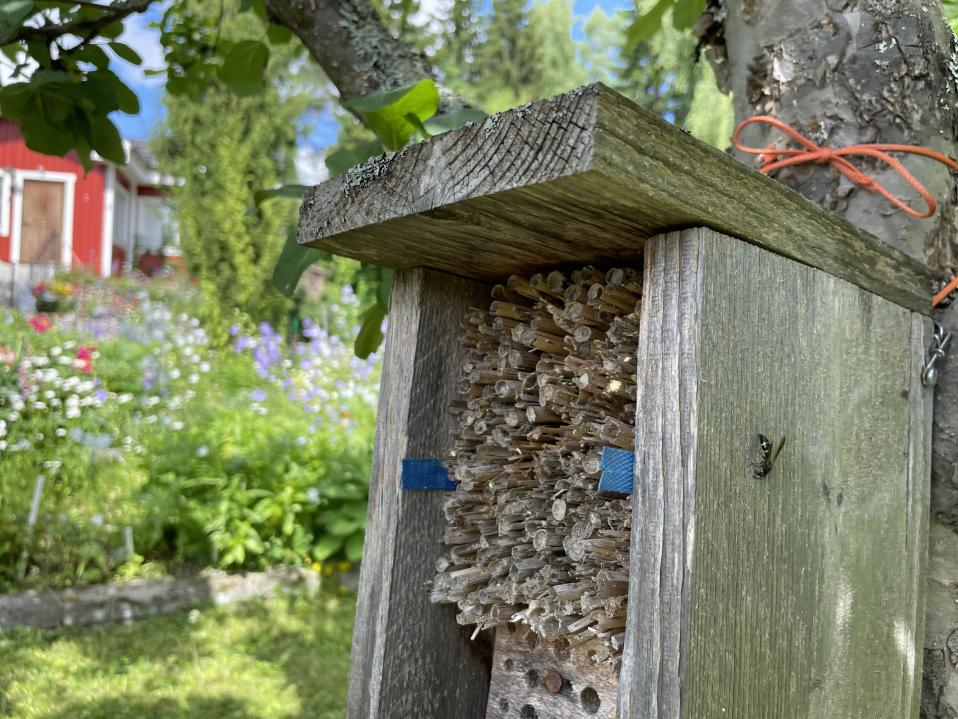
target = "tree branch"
x: 354, y: 48
x: 82, y: 28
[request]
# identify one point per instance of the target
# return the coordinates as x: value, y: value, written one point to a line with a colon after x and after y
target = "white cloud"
x: 311, y: 165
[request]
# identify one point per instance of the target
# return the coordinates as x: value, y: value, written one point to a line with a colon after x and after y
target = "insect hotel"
x: 653, y: 440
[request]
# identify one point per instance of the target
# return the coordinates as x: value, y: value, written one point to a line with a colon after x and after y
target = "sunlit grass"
x: 281, y: 658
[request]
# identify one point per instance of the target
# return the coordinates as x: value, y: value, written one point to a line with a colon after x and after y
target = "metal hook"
x: 939, y: 349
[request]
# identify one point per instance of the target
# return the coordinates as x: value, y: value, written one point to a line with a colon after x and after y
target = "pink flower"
x: 85, y: 359
x: 7, y: 358
x: 40, y: 323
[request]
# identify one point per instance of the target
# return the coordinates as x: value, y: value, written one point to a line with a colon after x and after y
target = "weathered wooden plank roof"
x: 582, y: 177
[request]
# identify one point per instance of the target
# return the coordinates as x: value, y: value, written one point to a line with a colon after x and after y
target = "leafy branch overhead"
x: 684, y: 15
x: 63, y: 88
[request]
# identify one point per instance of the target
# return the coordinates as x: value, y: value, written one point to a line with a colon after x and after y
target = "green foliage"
x: 227, y: 149
x: 247, y: 456
x: 951, y: 13
x: 278, y: 658
x: 243, y: 68
x: 65, y: 103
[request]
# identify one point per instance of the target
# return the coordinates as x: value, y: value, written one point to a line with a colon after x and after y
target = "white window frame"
x: 69, y: 188
x: 6, y: 190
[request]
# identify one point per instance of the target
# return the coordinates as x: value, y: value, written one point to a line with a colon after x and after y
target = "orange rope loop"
x: 773, y: 158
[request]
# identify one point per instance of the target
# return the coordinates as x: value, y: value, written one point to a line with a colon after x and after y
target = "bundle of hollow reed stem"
x: 549, y: 380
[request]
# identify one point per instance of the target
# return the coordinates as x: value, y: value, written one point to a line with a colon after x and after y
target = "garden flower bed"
x: 130, y: 445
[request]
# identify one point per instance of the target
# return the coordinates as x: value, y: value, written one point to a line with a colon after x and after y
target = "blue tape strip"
x: 425, y: 474
x: 618, y: 467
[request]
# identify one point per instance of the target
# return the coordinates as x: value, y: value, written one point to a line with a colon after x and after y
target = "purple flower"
x: 257, y: 395
x: 234, y: 330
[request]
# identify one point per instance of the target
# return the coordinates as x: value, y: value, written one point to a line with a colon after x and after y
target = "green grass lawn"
x: 272, y: 659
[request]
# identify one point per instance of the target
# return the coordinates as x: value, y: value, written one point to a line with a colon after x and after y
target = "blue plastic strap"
x: 617, y: 466
x: 425, y: 474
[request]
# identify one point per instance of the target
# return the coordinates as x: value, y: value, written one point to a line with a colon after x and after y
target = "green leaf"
x: 354, y: 547
x: 106, y: 139
x: 386, y: 114
x: 384, y: 288
x: 370, y: 334
x: 93, y: 54
x: 326, y: 547
x: 243, y: 68
x: 126, y: 52
x: 417, y: 123
x: 11, y: 51
x: 126, y: 99
x: 113, y: 30
x: 292, y: 263
x: 341, y: 160
x: 645, y: 26
x: 292, y: 192
x: 686, y: 12
x: 279, y: 34
x: 452, y: 120
x: 13, y: 13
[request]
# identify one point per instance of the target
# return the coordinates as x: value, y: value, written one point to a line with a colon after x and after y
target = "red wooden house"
x: 54, y: 214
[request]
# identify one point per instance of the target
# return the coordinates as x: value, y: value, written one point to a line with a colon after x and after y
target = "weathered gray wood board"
x: 799, y: 595
x: 583, y: 177
x: 532, y: 681
x: 409, y: 657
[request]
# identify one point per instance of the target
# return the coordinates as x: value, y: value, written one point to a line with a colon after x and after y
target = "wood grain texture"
x: 798, y: 596
x: 582, y: 177
x: 409, y: 657
x: 519, y: 686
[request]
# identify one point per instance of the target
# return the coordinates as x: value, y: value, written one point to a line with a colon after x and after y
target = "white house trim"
x: 106, y: 237
x: 6, y: 183
x: 69, y: 186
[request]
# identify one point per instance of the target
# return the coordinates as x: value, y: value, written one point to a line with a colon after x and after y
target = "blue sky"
x: 149, y: 89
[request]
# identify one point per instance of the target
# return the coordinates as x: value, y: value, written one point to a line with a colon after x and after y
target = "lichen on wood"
x: 549, y: 381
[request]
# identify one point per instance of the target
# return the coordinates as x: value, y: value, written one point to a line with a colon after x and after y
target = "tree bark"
x: 851, y: 71
x: 356, y: 51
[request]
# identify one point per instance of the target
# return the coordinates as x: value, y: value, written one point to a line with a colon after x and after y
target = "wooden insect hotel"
x: 601, y: 331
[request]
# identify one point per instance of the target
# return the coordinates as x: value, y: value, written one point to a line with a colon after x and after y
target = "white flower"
x: 204, y: 367
x: 193, y: 378
x: 97, y: 520
x: 202, y: 451
x: 3, y: 428
x: 56, y: 351
x: 175, y: 373
x: 61, y: 432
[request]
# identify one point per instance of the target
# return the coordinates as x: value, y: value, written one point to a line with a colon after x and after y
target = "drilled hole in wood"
x: 508, y: 664
x: 532, y: 678
x: 590, y: 700
x: 503, y: 705
x: 528, y: 712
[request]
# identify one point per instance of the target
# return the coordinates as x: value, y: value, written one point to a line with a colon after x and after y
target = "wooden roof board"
x: 581, y: 177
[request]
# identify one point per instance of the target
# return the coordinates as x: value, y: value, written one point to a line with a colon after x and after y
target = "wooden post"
x: 798, y: 595
x: 410, y: 658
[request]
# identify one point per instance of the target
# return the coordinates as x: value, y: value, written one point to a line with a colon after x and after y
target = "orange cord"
x: 776, y: 158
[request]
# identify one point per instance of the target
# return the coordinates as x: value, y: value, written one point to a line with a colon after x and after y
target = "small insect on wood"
x: 645, y: 269
x: 763, y: 466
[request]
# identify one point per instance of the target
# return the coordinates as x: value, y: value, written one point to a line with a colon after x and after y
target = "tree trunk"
x: 356, y: 51
x: 851, y: 71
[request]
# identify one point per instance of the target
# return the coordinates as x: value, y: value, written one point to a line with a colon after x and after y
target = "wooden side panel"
x: 410, y: 658
x: 796, y: 596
